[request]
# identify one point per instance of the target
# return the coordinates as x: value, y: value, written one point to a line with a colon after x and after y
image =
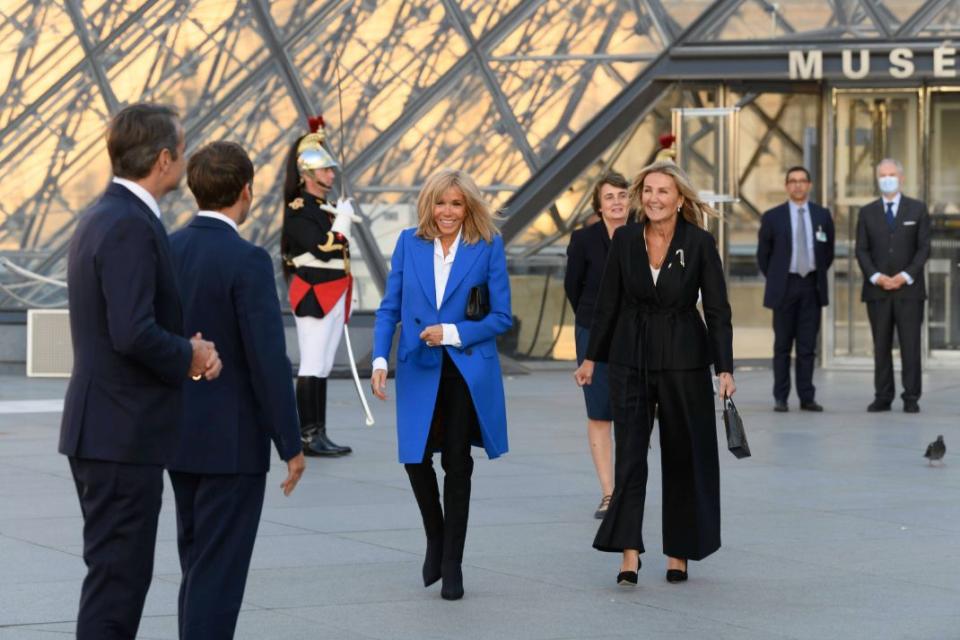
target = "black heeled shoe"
x: 676, y: 575
x: 629, y: 578
x: 431, y: 562
x: 452, y: 588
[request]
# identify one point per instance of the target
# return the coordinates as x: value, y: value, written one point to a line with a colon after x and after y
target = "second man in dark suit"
x: 893, y: 244
x: 130, y: 361
x: 795, y: 251
x: 219, y: 470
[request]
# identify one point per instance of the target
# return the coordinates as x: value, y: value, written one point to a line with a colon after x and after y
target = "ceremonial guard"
x: 315, y: 249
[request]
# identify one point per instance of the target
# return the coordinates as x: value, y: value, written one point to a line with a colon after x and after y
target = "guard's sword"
x: 346, y: 329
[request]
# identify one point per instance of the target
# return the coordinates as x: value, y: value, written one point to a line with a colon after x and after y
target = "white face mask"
x: 889, y: 184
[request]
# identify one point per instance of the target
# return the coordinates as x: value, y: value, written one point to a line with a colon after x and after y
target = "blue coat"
x: 410, y: 299
x: 775, y: 248
x: 230, y: 296
x: 130, y: 358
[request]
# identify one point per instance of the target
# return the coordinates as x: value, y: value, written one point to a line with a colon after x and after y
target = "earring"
x: 679, y: 208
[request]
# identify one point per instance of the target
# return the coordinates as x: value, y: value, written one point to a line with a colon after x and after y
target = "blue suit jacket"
x: 410, y: 299
x: 129, y: 355
x: 230, y: 296
x: 775, y: 248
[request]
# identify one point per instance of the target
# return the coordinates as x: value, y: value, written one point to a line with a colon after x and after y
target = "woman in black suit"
x: 586, y: 255
x: 647, y: 327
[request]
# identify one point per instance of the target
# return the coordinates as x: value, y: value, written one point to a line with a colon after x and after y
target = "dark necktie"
x: 800, y: 244
x: 891, y: 220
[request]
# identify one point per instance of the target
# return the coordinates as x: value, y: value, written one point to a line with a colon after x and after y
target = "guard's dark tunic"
x: 319, y: 259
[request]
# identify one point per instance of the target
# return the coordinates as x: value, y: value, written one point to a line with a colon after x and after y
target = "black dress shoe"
x: 676, y: 575
x: 810, y: 406
x: 877, y: 406
x: 452, y: 588
x: 629, y: 578
x: 780, y: 406
x: 321, y: 445
x: 431, y: 562
x: 911, y: 406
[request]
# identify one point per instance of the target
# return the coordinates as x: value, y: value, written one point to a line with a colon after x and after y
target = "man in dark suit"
x: 795, y: 251
x: 130, y: 361
x: 223, y: 455
x: 893, y: 244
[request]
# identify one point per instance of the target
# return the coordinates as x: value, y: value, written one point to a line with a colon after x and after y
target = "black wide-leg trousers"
x: 684, y: 405
x: 453, y: 427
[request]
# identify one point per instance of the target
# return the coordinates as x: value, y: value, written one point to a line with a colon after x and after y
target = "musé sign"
x: 899, y: 63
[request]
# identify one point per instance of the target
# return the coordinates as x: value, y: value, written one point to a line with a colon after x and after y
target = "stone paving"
x: 835, y: 528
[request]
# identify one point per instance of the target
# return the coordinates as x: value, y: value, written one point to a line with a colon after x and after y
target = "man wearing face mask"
x: 893, y: 244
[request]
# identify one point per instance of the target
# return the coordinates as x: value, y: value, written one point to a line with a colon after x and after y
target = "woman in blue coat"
x: 449, y: 385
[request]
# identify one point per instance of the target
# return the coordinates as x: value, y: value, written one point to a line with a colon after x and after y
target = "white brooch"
x: 680, y: 253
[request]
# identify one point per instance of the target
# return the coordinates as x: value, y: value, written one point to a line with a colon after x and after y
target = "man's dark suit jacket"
x: 631, y: 310
x: 130, y: 357
x: 230, y: 296
x: 586, y: 255
x: 905, y: 249
x: 775, y: 250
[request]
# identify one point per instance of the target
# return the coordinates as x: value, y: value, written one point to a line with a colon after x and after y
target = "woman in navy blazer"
x: 449, y: 385
x: 586, y: 257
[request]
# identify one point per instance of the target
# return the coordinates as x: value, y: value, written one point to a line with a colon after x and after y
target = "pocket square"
x: 907, y: 223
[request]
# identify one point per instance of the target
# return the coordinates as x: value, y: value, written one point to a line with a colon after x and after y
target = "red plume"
x: 316, y: 123
x: 666, y: 140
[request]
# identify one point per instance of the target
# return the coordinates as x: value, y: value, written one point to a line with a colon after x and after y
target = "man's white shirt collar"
x: 141, y: 193
x: 895, y: 200
x: 218, y: 216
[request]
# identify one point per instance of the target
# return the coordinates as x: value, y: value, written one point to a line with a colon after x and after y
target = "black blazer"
x: 631, y: 309
x: 586, y: 255
x: 775, y: 249
x: 905, y: 249
x: 129, y: 354
x: 229, y: 295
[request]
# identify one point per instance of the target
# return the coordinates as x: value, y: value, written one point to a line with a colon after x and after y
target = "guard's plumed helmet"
x: 311, y: 154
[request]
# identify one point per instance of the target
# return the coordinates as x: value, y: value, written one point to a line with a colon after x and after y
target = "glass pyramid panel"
x: 759, y: 20
x: 945, y: 22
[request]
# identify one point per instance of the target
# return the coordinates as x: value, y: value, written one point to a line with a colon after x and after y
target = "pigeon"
x: 935, y: 450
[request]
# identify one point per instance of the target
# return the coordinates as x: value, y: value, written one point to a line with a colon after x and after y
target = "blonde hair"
x: 477, y: 223
x: 694, y: 210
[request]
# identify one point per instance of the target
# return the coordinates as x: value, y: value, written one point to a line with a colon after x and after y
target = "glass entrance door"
x: 943, y: 268
x: 868, y: 127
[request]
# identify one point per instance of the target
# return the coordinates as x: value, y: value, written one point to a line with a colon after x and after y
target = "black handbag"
x: 736, y: 436
x: 478, y: 303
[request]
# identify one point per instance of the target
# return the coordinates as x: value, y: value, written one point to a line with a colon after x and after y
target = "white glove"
x: 345, y: 216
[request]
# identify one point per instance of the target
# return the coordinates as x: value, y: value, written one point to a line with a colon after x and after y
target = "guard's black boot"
x: 320, y: 444
x: 309, y: 401
x: 423, y: 480
x: 307, y: 408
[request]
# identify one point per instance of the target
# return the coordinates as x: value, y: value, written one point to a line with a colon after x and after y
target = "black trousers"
x: 454, y: 425
x: 906, y: 316
x: 121, y: 505
x: 796, y: 320
x: 217, y: 521
x: 683, y: 403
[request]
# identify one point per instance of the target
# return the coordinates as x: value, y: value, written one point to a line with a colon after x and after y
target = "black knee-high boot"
x: 423, y: 480
x: 314, y: 434
x: 456, y: 511
x: 307, y: 390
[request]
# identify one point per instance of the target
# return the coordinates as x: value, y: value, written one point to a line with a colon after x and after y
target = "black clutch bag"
x: 736, y: 436
x: 478, y: 303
